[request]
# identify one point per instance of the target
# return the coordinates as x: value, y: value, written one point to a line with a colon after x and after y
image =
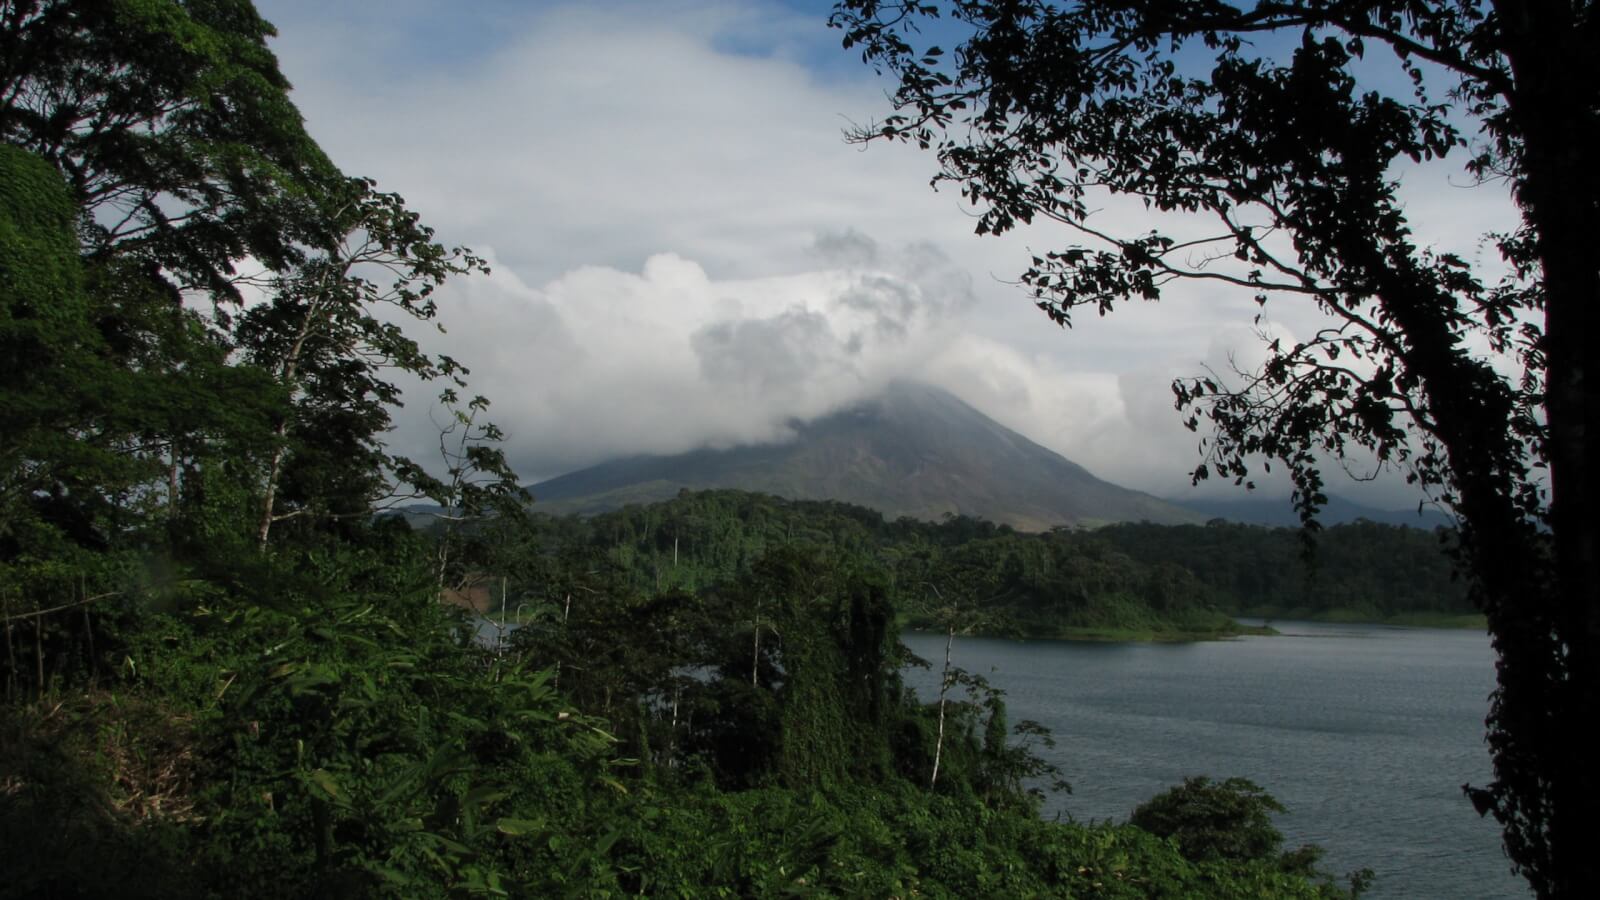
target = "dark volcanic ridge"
x: 1279, y: 512
x: 914, y: 451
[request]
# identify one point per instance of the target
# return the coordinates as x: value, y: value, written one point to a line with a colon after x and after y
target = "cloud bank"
x: 601, y: 362
x: 686, y: 253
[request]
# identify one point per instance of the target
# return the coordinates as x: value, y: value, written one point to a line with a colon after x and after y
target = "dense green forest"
x: 1360, y: 571
x: 1131, y: 581
x: 224, y: 675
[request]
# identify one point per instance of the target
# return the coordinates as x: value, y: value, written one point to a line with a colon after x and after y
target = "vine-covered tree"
x: 174, y: 131
x: 232, y: 367
x: 1261, y: 133
x: 198, y: 375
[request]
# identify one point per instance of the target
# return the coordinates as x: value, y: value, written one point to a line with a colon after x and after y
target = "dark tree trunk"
x: 1555, y: 108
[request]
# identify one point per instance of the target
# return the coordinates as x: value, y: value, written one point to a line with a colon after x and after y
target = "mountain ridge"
x: 915, y: 450
x: 1279, y: 512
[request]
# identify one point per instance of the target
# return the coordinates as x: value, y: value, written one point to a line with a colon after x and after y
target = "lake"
x: 1365, y: 733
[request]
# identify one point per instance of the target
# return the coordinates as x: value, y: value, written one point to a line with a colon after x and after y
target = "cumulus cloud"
x: 602, y: 362
x: 686, y: 253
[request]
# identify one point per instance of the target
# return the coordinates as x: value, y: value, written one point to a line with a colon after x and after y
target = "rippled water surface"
x: 1365, y: 733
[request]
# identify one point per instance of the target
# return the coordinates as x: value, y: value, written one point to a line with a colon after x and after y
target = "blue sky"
x: 651, y: 178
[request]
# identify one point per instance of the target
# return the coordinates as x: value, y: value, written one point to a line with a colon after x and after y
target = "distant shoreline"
x: 1256, y: 622
x: 1347, y: 616
x: 1108, y: 635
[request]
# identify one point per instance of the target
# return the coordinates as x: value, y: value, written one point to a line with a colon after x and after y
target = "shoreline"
x: 1346, y: 616
x: 1113, y: 635
x: 1256, y: 622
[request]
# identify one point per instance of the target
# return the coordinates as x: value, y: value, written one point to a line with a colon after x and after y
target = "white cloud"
x: 686, y: 252
x: 601, y: 362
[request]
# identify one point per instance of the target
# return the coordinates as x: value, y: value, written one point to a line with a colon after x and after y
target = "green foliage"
x: 332, y: 734
x: 1371, y: 570
x: 174, y: 127
x: 1231, y: 819
x: 150, y: 151
x: 224, y: 676
x: 325, y: 337
x: 394, y: 760
x: 1141, y: 581
x: 901, y: 843
x: 42, y: 319
x: 328, y: 748
x: 1283, y: 129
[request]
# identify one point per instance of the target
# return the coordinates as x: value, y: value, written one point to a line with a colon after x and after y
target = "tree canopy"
x: 209, y: 318
x: 1270, y: 160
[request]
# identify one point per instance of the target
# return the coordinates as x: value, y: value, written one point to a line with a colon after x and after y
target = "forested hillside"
x: 1138, y: 581
x: 1360, y: 571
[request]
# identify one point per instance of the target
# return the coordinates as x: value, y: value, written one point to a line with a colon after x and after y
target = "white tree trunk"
x: 755, y: 654
x: 944, y: 688
x: 287, y: 374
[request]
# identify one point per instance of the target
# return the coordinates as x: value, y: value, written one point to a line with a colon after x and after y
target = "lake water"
x: 1365, y: 734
